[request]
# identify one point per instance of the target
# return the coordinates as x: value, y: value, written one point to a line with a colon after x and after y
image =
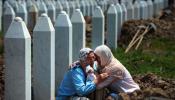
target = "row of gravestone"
x: 53, y: 49
x: 29, y: 10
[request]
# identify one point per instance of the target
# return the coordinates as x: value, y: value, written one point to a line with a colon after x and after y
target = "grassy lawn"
x: 158, y: 57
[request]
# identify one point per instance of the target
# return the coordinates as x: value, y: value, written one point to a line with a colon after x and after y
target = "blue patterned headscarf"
x: 84, y: 53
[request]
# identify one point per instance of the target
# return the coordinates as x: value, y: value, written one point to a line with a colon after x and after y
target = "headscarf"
x: 105, y: 54
x: 84, y: 53
x: 108, y: 61
x: 119, y: 79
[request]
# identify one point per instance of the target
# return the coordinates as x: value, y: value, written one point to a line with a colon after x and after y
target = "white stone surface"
x: 17, y: 43
x: 119, y: 19
x: 71, y: 8
x: 150, y: 8
x: 63, y: 46
x: 22, y: 12
x: 59, y: 8
x: 136, y: 10
x: 29, y: 3
x: 83, y: 8
x: 156, y: 7
x: 143, y: 10
x: 44, y: 59
x: 8, y: 17
x: 130, y: 11
x: 51, y: 12
x: 98, y: 28
x: 111, y: 35
x: 65, y: 7
x: 79, y: 35
x: 14, y: 5
x: 124, y: 13
x: 42, y: 8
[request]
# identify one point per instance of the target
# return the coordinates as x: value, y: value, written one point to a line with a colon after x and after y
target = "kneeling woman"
x: 119, y: 80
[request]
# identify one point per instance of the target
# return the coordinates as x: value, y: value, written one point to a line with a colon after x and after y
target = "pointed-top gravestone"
x: 71, y: 8
x: 14, y: 5
x: 94, y: 5
x: 29, y: 3
x: 44, y: 59
x: 124, y: 12
x: 101, y: 4
x: 22, y: 12
x: 136, y: 10
x: 5, y: 5
x: 17, y: 62
x: 97, y: 28
x: 77, y: 5
x: 150, y: 8
x: 111, y: 35
x: 91, y: 7
x: 87, y: 5
x: 51, y: 12
x: 63, y: 46
x: 156, y: 7
x: 83, y: 7
x: 119, y: 19
x: 78, y: 27
x: 65, y: 7
x: 143, y: 10
x: 32, y: 17
x: 42, y: 8
x: 8, y: 17
x: 130, y: 10
x: 59, y: 8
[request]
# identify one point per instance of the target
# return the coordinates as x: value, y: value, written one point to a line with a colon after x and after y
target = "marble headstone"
x: 17, y: 61
x: 78, y: 34
x: 44, y: 59
x: 98, y: 28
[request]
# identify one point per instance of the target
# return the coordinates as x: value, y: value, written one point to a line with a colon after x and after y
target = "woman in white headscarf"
x: 120, y: 79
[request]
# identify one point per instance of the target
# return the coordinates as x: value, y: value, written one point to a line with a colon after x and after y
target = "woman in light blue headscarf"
x: 74, y: 82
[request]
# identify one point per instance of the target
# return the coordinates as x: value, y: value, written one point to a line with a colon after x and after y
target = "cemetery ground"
x: 152, y: 65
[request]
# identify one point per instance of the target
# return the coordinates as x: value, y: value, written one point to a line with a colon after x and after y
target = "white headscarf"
x: 105, y: 54
x: 111, y: 65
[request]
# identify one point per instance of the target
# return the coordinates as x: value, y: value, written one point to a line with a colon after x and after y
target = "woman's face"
x: 91, y: 58
x: 98, y: 60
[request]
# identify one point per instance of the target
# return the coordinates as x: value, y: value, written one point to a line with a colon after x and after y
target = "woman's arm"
x: 82, y: 86
x: 113, y: 77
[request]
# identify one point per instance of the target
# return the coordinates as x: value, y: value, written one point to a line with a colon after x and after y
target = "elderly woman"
x: 109, y: 64
x: 75, y: 83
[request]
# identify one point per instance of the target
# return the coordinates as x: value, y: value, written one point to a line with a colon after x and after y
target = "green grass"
x: 158, y: 58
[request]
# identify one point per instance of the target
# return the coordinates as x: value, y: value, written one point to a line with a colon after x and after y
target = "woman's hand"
x: 103, y: 76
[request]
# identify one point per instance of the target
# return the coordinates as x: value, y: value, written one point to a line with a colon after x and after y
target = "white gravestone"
x: 17, y: 61
x: 44, y: 59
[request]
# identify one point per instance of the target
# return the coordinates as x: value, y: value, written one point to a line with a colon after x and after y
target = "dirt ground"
x: 152, y: 86
x: 165, y: 27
